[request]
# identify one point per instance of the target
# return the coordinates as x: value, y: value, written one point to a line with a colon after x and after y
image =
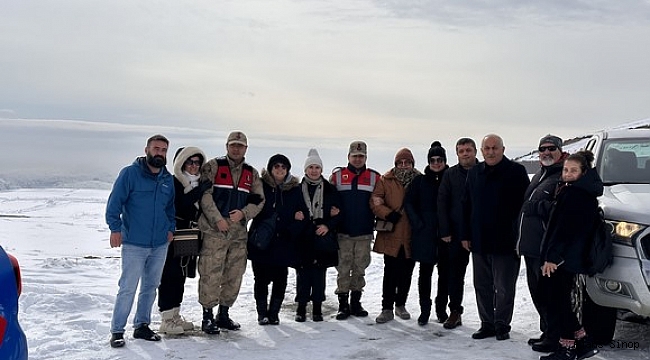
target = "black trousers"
x: 556, y: 291
x: 264, y: 275
x: 172, y: 282
x: 397, y: 280
x: 534, y: 277
x: 495, y: 279
x: 310, y: 284
x: 452, y: 266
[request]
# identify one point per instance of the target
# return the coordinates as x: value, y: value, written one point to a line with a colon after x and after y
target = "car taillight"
x: 3, y: 327
x: 19, y: 280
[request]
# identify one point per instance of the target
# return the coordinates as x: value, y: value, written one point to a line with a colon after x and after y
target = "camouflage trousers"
x: 221, y: 266
x: 354, y: 258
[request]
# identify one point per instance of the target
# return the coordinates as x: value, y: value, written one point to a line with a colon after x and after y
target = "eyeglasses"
x: 190, y: 162
x: 436, y: 160
x: 279, y: 166
x: 549, y: 148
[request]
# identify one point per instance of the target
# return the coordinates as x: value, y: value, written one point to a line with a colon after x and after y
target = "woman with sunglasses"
x: 421, y: 205
x: 270, y: 265
x: 188, y: 191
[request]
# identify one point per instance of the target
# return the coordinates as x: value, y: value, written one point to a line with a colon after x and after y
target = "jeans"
x: 138, y: 264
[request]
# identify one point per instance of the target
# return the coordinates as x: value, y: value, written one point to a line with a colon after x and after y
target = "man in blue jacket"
x: 140, y: 214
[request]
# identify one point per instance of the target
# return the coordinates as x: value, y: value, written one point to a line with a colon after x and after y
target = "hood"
x: 181, y: 156
x: 629, y: 202
x: 289, y: 182
x: 590, y: 182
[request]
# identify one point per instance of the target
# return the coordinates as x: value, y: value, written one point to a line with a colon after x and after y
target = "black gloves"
x: 254, y: 199
x: 394, y: 217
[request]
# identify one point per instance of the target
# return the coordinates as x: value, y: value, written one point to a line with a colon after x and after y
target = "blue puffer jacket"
x: 141, y: 205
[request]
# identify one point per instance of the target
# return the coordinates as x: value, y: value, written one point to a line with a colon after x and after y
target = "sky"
x: 95, y: 76
x: 70, y: 273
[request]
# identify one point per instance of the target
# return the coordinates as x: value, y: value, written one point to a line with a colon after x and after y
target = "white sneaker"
x: 385, y: 316
x: 169, y: 324
x: 180, y: 320
x: 402, y: 312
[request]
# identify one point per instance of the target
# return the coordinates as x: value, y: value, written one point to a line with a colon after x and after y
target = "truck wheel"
x: 598, y: 321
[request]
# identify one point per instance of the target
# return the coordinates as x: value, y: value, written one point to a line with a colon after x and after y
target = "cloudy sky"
x: 296, y: 74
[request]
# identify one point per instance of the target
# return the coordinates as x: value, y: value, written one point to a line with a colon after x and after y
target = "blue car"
x: 13, y: 343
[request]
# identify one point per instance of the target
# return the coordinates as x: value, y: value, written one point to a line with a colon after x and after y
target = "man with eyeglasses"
x: 494, y: 193
x: 450, y: 218
x: 235, y: 198
x: 355, y: 184
x: 534, y: 215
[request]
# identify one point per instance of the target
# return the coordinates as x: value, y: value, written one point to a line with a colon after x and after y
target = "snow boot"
x: 425, y: 312
x: 224, y: 321
x: 301, y: 312
x: 262, y: 312
x: 209, y: 325
x: 169, y: 325
x: 317, y: 311
x: 355, y: 305
x: 274, y: 311
x: 344, y: 307
x: 187, y: 325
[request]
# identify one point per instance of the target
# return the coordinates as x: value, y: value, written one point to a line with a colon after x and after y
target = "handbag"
x: 327, y: 243
x: 382, y: 225
x: 262, y: 234
x: 187, y: 242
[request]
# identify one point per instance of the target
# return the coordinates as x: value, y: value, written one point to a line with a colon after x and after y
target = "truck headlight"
x: 624, y: 232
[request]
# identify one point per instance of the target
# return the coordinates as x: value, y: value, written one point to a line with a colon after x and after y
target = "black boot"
x: 274, y: 311
x: 355, y: 305
x: 262, y: 312
x: 301, y: 312
x: 585, y: 348
x: 317, y: 311
x: 344, y: 307
x: 425, y: 312
x: 209, y: 325
x: 224, y: 321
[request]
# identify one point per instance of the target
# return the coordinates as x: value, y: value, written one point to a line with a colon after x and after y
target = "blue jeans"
x: 138, y: 263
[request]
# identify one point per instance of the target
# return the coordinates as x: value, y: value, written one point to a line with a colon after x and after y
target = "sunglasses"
x: 549, y: 148
x: 190, y: 162
x: 436, y: 160
x: 279, y: 166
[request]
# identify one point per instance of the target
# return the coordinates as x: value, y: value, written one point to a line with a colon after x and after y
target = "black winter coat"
x: 572, y: 222
x: 450, y: 206
x: 536, y: 210
x: 491, y: 205
x: 420, y: 204
x: 282, y: 202
x: 308, y: 256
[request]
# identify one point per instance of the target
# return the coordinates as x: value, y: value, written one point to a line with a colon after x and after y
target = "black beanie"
x: 278, y: 159
x: 437, y: 150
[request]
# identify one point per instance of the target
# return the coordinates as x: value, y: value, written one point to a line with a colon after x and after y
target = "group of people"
x: 489, y: 210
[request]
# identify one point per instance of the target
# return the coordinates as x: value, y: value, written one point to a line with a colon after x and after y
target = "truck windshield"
x: 625, y: 161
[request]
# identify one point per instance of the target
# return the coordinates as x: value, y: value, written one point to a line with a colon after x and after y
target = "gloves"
x: 394, y: 217
x: 254, y: 199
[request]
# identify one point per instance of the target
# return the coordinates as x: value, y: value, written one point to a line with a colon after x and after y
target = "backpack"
x: 598, y: 253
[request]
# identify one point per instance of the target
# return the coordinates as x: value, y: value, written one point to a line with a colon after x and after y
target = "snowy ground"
x: 70, y: 280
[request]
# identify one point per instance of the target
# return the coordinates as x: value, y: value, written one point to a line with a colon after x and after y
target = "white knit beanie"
x: 313, y: 159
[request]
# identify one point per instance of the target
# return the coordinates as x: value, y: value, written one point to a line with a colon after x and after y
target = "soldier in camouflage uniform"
x: 235, y: 198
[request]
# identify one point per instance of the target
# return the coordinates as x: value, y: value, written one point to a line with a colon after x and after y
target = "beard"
x: 547, y: 161
x: 156, y: 161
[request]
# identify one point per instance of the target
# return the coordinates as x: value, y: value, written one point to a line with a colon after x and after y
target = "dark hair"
x: 465, y: 141
x: 157, y: 137
x: 584, y: 157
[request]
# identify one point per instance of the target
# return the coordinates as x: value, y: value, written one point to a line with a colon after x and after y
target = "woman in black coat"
x: 569, y: 232
x: 318, y: 247
x: 283, y: 200
x: 421, y: 205
x: 188, y: 191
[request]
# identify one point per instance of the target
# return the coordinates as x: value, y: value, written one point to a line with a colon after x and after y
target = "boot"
x: 425, y: 312
x: 562, y: 353
x: 169, y: 324
x: 355, y: 306
x: 317, y: 311
x: 224, y: 321
x: 274, y: 311
x: 209, y: 325
x: 262, y: 312
x: 585, y: 348
x: 187, y: 325
x: 301, y: 312
x: 454, y: 320
x: 344, y: 307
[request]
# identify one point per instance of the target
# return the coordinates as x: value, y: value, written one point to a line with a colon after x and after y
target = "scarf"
x: 314, y: 204
x: 193, y: 182
x: 405, y: 176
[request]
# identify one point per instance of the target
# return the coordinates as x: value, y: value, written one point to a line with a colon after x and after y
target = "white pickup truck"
x: 623, y: 162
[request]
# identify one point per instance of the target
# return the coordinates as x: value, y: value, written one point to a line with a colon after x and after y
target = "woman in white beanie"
x: 318, y: 247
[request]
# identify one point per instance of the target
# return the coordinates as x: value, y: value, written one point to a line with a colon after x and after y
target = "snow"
x: 70, y: 281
